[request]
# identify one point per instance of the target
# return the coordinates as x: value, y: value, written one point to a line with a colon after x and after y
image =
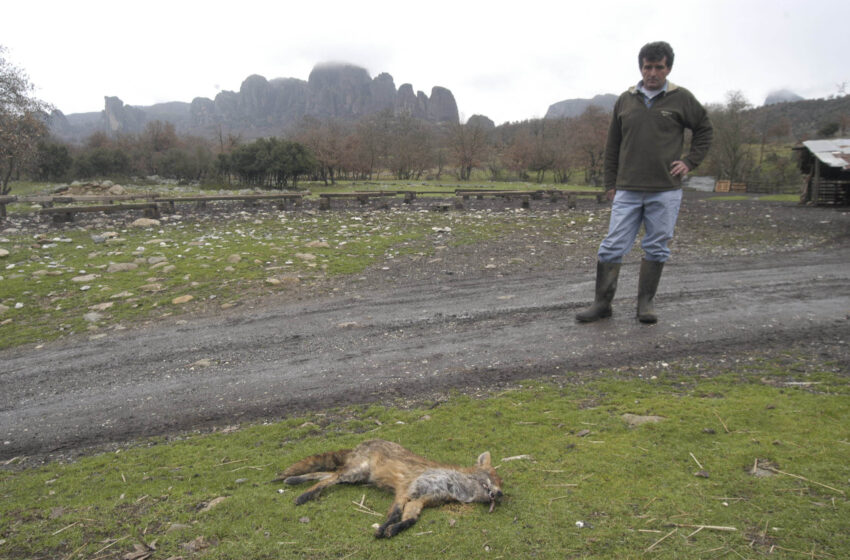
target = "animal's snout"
x: 495, y: 495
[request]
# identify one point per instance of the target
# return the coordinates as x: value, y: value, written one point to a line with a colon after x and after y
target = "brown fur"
x: 417, y: 482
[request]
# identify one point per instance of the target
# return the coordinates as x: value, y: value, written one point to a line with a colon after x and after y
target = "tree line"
x: 330, y: 150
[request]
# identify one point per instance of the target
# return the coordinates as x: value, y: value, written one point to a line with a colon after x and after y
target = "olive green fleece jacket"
x: 644, y: 141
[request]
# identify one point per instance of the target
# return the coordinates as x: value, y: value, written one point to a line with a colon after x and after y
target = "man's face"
x: 654, y: 73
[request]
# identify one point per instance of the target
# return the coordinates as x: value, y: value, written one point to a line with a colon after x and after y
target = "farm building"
x: 827, y: 165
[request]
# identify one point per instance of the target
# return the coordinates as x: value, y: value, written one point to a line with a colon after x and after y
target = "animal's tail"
x: 323, y: 462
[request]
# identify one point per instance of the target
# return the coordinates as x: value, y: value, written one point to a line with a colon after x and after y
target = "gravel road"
x: 422, y: 334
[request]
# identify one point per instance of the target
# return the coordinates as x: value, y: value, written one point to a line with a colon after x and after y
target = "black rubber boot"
x: 650, y: 274
x: 606, y: 286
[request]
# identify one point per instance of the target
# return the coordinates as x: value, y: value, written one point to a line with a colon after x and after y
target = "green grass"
x: 634, y: 489
x: 54, y: 282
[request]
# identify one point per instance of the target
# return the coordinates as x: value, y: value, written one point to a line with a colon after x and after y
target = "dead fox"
x: 417, y: 482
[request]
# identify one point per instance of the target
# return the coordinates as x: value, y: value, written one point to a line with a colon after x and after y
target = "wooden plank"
x: 98, y: 208
x: 66, y: 213
x: 226, y: 197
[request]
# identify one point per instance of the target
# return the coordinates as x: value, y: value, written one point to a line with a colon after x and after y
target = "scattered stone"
x: 762, y: 468
x: 196, y: 545
x: 84, y: 278
x: 3, y: 308
x: 145, y: 222
x: 204, y: 362
x: 3, y: 253
x: 153, y: 287
x: 701, y: 474
x: 233, y: 259
x: 318, y: 244
x: 634, y: 420
x: 211, y: 504
x: 121, y: 267
x: 102, y: 306
x: 156, y: 260
x: 93, y: 317
x: 286, y: 280
x: 179, y: 300
x: 305, y: 256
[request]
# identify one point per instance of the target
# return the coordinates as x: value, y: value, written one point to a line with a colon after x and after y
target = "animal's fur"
x: 417, y: 482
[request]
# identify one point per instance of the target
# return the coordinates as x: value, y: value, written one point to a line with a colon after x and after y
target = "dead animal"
x: 417, y: 482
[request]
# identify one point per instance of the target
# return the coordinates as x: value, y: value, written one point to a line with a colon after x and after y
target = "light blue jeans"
x: 657, y: 211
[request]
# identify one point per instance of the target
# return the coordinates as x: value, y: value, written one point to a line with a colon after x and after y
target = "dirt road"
x: 408, y: 338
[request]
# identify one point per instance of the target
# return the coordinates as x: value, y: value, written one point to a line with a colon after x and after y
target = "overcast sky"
x: 508, y: 62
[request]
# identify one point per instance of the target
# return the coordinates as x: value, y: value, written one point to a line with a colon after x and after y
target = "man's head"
x: 655, y: 61
x: 655, y: 52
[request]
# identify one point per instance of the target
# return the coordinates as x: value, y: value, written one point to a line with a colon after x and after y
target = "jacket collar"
x: 670, y: 87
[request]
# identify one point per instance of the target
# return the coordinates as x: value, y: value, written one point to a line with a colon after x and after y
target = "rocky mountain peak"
x: 265, y: 107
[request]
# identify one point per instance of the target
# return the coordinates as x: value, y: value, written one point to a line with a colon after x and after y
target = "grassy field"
x: 749, y: 458
x: 82, y: 280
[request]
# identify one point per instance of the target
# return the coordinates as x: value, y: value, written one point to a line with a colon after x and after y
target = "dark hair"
x: 653, y: 52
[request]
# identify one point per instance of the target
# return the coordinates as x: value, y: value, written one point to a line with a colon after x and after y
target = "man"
x: 644, y: 167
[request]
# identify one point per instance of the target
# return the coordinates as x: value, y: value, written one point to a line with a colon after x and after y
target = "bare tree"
x: 325, y: 141
x: 468, y: 143
x: 21, y: 121
x: 730, y: 157
x: 590, y: 130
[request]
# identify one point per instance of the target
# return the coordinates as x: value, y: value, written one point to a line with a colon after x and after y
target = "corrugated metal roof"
x: 834, y: 153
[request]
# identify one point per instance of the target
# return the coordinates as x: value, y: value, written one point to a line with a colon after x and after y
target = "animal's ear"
x: 484, y: 460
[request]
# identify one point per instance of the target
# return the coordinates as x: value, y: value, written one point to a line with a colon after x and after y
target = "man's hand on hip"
x: 679, y: 168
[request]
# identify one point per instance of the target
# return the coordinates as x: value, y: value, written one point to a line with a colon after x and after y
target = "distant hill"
x: 797, y: 118
x: 575, y: 107
x: 264, y: 107
x: 802, y: 120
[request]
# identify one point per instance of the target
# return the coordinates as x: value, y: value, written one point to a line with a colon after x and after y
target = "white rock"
x: 121, y: 267
x: 145, y: 222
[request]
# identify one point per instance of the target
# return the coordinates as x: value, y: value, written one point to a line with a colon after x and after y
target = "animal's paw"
x: 304, y: 498
x: 294, y: 480
x: 393, y: 529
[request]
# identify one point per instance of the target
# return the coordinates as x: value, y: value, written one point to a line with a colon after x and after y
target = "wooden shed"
x: 827, y: 165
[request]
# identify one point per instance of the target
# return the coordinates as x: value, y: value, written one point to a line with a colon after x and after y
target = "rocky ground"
x: 747, y: 277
